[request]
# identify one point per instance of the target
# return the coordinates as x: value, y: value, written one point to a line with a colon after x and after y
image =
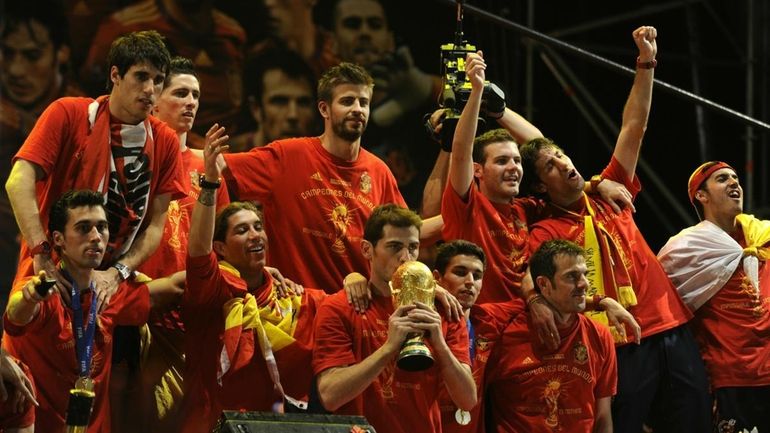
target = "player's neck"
x: 254, y: 278
x: 82, y: 277
x: 340, y: 147
x: 725, y: 221
x: 379, y: 288
x: 182, y: 141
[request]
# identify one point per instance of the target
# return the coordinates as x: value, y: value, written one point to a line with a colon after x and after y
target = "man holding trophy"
x: 359, y: 361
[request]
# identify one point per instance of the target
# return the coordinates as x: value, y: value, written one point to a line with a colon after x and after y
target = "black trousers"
x: 743, y: 407
x: 662, y: 382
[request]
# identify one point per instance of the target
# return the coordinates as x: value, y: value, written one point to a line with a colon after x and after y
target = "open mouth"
x: 257, y: 249
x: 572, y: 175
x: 734, y: 194
x: 188, y: 114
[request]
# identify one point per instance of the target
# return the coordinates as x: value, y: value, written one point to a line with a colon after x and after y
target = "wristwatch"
x: 208, y: 185
x: 44, y: 247
x: 123, y: 271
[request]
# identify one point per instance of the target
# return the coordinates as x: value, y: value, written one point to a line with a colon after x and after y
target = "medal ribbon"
x: 84, y: 338
x: 472, y: 340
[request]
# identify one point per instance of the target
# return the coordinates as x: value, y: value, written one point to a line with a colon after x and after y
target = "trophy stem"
x: 414, y: 354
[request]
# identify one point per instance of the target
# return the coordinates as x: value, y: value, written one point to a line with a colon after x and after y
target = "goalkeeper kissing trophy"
x: 413, y: 282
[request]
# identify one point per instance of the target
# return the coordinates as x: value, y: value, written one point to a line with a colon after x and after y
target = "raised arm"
x: 461, y: 160
x: 204, y: 213
x: 637, y: 109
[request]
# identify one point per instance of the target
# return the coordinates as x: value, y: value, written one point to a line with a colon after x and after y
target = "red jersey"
x: 47, y: 346
x: 209, y: 287
x: 533, y: 391
x: 733, y: 329
x: 500, y: 230
x: 216, y: 52
x: 487, y: 323
x: 315, y: 205
x: 73, y: 155
x: 171, y: 255
x: 398, y: 400
x: 659, y: 307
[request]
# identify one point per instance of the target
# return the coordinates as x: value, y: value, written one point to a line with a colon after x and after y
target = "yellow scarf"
x: 757, y: 234
x: 603, y: 254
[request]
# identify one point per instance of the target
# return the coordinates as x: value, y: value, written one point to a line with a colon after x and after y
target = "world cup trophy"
x: 413, y: 282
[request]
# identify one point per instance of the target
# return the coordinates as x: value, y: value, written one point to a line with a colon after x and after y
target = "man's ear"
x: 478, y: 170
x: 539, y: 187
x: 58, y: 238
x: 437, y: 276
x: 323, y: 108
x: 114, y: 74
x: 543, y: 283
x: 367, y: 249
x: 219, y: 248
x: 700, y: 195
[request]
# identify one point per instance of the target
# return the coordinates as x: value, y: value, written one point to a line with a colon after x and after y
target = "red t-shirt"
x: 171, y: 255
x: 315, y: 205
x: 733, y: 329
x: 209, y: 287
x: 487, y: 323
x: 533, y: 391
x: 47, y: 346
x: 398, y: 400
x: 500, y: 230
x: 58, y: 144
x: 217, y: 54
x: 9, y: 419
x: 659, y: 307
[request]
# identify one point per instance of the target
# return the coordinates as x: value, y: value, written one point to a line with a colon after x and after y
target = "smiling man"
x: 246, y: 348
x: 719, y: 267
x: 662, y: 380
x: 534, y: 389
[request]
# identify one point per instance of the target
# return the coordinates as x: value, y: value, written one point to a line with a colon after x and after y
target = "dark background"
x: 703, y: 47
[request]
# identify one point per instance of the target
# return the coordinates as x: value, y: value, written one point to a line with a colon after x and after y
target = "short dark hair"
x: 222, y: 223
x: 59, y: 214
x: 391, y: 214
x: 543, y: 261
x: 135, y: 48
x: 492, y: 136
x: 344, y: 73
x: 177, y: 66
x: 447, y: 251
x: 286, y: 61
x: 529, y: 154
x: 49, y: 13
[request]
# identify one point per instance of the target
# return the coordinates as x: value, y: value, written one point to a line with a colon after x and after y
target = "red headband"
x: 701, y: 174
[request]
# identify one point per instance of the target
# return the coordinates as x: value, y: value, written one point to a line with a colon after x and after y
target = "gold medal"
x: 463, y: 417
x: 84, y: 384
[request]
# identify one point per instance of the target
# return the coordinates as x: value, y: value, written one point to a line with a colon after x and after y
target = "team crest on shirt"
x: 580, y: 353
x: 482, y: 344
x: 366, y: 183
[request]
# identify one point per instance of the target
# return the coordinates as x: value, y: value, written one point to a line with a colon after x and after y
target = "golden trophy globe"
x: 413, y: 282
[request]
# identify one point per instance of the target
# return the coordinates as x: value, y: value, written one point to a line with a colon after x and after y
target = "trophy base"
x: 415, y: 360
